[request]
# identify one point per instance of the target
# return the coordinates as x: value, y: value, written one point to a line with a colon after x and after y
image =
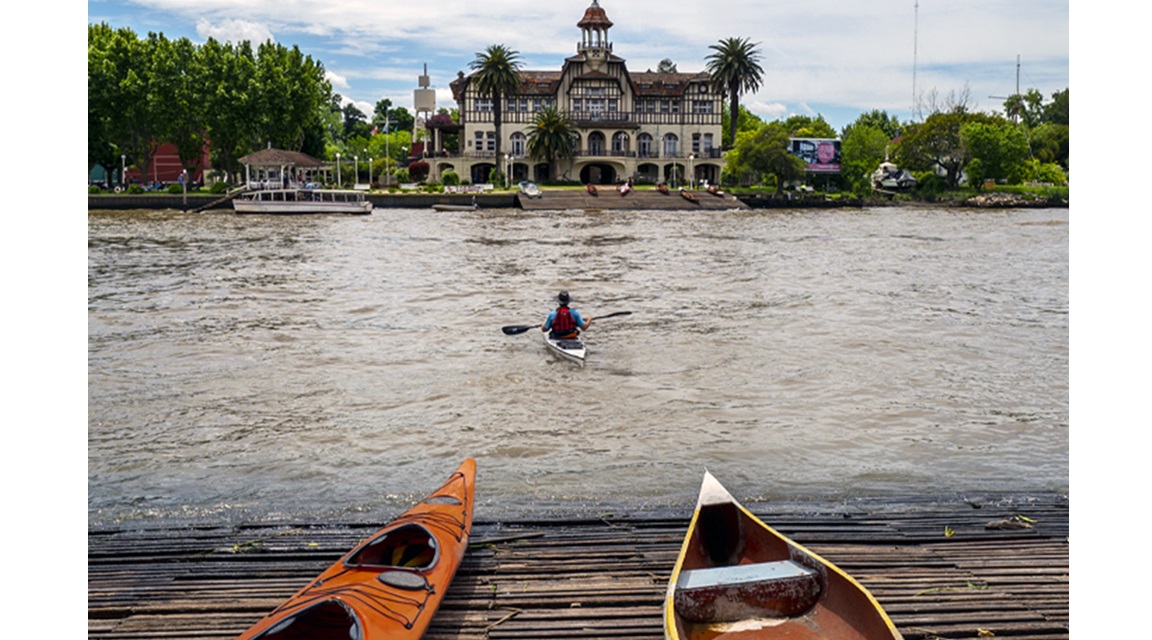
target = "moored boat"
x: 303, y: 200
x: 689, y: 196
x: 530, y: 189
x: 739, y: 579
x: 592, y: 189
x: 571, y: 348
x: 662, y: 188
x: 390, y: 585
x: 714, y: 190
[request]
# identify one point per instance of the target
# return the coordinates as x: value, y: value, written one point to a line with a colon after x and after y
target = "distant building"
x: 648, y: 126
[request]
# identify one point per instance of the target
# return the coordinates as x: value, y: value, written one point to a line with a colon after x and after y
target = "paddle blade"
x: 517, y: 329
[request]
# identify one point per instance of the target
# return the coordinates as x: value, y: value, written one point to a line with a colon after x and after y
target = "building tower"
x: 424, y: 100
x: 594, y: 44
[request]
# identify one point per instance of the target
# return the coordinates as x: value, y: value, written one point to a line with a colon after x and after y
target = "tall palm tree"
x: 497, y: 75
x: 552, y: 136
x: 735, y: 69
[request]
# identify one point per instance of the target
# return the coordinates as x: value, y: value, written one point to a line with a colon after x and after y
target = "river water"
x: 250, y: 367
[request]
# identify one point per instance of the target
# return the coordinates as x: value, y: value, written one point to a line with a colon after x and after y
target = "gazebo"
x: 276, y: 168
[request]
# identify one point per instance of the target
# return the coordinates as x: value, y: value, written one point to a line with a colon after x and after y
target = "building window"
x: 644, y: 145
x: 620, y: 142
x: 701, y: 106
x: 518, y: 144
x: 483, y: 104
x: 707, y: 143
x: 613, y: 105
x: 577, y: 105
x: 596, y: 143
x: 695, y: 143
x: 670, y: 144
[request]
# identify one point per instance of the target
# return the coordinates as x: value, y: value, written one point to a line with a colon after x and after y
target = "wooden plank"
x: 601, y: 577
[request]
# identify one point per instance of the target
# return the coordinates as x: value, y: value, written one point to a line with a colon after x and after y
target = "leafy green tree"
x: 746, y: 121
x: 764, y: 152
x: 496, y: 76
x: 936, y: 144
x: 1049, y: 143
x: 226, y: 74
x: 862, y: 149
x: 999, y: 150
x: 552, y: 136
x: 808, y: 127
x: 176, y: 98
x: 355, y: 122
x: 1056, y: 112
x: 666, y: 66
x: 890, y: 125
x: 734, y: 69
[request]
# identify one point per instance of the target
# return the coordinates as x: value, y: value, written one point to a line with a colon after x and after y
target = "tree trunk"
x: 733, y: 116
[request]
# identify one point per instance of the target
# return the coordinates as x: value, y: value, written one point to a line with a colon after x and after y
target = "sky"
x: 835, y: 58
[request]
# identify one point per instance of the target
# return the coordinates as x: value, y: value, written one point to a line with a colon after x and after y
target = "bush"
x: 929, y: 183
x: 418, y: 171
x: 450, y: 178
x: 175, y: 188
x: 95, y: 189
x: 218, y: 187
x: 402, y: 175
x: 135, y: 188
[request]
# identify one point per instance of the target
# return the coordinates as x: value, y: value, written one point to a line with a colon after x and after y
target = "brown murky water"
x: 252, y: 366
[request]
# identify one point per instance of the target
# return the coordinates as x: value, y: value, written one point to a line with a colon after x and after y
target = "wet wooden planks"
x: 933, y: 564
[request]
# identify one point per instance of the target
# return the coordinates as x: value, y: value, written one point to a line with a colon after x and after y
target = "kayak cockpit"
x: 330, y: 618
x: 410, y: 546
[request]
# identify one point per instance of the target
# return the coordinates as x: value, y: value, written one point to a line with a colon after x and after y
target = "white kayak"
x: 570, y: 348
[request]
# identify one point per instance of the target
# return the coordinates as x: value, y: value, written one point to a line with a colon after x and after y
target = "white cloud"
x: 231, y: 30
x: 337, y: 81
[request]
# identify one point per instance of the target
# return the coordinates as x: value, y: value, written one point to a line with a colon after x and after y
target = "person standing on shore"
x: 565, y: 323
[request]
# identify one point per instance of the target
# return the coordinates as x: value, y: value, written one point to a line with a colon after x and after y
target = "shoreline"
x: 512, y: 200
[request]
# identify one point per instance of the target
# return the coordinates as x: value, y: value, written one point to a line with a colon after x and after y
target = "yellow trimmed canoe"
x: 391, y: 584
x: 739, y: 579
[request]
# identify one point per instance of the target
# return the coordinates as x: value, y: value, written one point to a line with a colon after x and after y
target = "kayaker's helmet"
x: 563, y: 297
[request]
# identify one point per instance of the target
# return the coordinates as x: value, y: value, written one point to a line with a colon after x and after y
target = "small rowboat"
x: 391, y: 584
x: 714, y: 190
x: 592, y: 189
x: 662, y: 188
x: 689, y: 196
x: 739, y: 579
x: 625, y: 188
x: 456, y: 207
x: 571, y: 348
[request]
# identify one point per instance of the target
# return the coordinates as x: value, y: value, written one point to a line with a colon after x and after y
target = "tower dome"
x: 594, y: 18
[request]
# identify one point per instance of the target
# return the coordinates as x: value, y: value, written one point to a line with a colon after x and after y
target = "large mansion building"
x: 647, y: 126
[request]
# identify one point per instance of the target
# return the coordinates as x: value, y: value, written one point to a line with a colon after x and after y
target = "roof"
x: 594, y: 16
x: 650, y: 83
x: 279, y: 157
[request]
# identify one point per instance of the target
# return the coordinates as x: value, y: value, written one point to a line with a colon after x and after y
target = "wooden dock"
x: 956, y: 567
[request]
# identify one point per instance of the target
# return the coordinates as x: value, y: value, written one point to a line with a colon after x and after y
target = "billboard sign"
x: 822, y: 155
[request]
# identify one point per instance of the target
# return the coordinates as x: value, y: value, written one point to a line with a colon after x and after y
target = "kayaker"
x: 565, y: 322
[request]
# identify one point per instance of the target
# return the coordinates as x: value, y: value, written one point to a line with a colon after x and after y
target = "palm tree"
x: 497, y: 76
x: 552, y: 135
x: 735, y: 69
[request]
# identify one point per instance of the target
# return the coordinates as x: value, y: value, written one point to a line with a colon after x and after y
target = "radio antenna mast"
x: 915, y: 43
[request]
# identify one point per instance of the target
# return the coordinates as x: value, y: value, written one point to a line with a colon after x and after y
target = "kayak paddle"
x: 514, y: 329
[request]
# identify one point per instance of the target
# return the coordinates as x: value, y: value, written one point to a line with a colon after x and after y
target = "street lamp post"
x: 369, y: 172
x: 356, y: 181
x: 122, y: 180
x: 691, y: 171
x: 338, y: 182
x: 507, y: 170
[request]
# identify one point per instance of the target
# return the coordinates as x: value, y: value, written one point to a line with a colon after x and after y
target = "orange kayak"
x: 391, y: 584
x: 739, y: 579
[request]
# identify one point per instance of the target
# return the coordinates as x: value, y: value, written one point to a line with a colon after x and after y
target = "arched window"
x: 670, y: 144
x: 644, y: 146
x: 596, y: 144
x: 620, y: 143
x: 518, y: 142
